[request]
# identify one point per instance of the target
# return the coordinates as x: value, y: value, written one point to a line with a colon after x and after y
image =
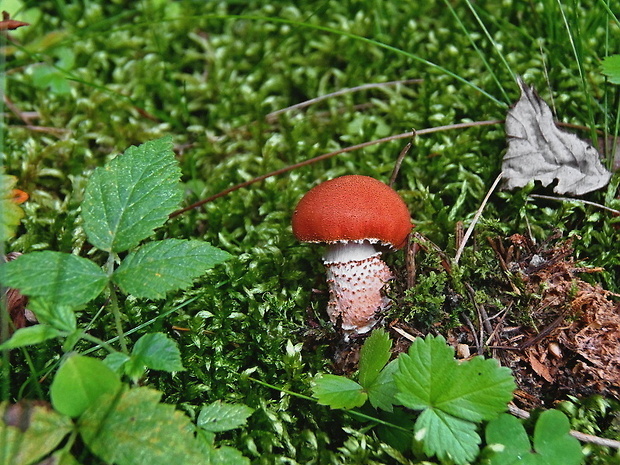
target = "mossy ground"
x: 209, y: 73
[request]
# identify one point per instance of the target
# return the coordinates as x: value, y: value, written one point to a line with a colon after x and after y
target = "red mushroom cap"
x: 352, y: 208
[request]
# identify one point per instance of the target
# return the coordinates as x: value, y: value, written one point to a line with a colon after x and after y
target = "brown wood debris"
x: 570, y: 329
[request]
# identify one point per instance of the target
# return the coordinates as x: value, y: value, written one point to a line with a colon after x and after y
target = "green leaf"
x: 80, y: 382
x: 611, y: 68
x: 10, y: 213
x: 60, y: 317
x: 220, y: 416
x: 553, y: 441
x: 135, y: 429
x: 30, y: 336
x: 447, y: 437
x: 226, y: 456
x: 155, y: 351
x: 481, y: 390
x: 48, y: 77
x: 116, y: 361
x: 339, y: 392
x: 374, y: 354
x: 452, y: 395
x: 507, y: 439
x: 29, y: 431
x: 59, y: 278
x: 509, y: 443
x: 132, y: 195
x: 382, y: 392
x: 162, y: 266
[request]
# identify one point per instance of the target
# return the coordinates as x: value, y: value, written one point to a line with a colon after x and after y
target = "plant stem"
x: 114, y: 305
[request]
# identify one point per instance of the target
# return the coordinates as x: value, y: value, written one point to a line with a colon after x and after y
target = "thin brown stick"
x: 274, y: 114
x: 399, y: 161
x: 325, y: 156
x: 583, y: 437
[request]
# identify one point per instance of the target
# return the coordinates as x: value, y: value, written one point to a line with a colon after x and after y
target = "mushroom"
x: 353, y: 214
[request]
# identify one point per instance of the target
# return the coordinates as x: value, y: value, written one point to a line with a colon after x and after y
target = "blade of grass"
x: 486, y: 63
x: 578, y: 53
x: 367, y: 40
x: 325, y: 156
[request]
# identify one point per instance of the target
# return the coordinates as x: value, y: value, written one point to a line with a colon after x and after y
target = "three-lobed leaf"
x: 162, y: 266
x: 452, y: 396
x: 59, y: 278
x: 374, y: 354
x: 131, y: 196
x: 80, y: 382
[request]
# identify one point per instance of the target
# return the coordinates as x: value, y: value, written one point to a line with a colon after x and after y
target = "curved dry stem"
x: 274, y: 114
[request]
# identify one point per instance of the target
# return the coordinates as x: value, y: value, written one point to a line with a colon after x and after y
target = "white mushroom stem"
x: 356, y: 276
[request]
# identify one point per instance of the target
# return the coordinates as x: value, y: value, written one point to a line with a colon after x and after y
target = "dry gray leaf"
x: 539, y: 151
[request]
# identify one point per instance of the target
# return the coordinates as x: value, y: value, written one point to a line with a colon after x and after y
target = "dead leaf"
x: 538, y: 150
x: 9, y: 24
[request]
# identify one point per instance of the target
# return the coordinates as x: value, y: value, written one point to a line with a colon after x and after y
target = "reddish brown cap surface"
x: 352, y: 208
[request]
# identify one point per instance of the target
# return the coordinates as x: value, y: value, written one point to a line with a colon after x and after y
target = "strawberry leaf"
x: 339, y: 392
x: 452, y: 396
x: 374, y: 354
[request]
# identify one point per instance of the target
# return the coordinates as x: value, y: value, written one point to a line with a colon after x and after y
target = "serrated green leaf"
x: 80, y: 382
x: 447, y: 437
x: 457, y: 394
x: 374, y: 354
x: 480, y: 390
x: 60, y: 317
x: 220, y: 416
x: 116, y: 361
x: 10, y: 213
x: 226, y: 456
x: 382, y: 392
x: 553, y: 441
x: 425, y: 372
x: 59, y: 278
x: 135, y: 429
x: 155, y: 351
x: 162, y: 266
x: 474, y: 390
x: 611, y: 68
x: 339, y: 392
x: 29, y: 431
x: 30, y: 336
x: 131, y: 196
